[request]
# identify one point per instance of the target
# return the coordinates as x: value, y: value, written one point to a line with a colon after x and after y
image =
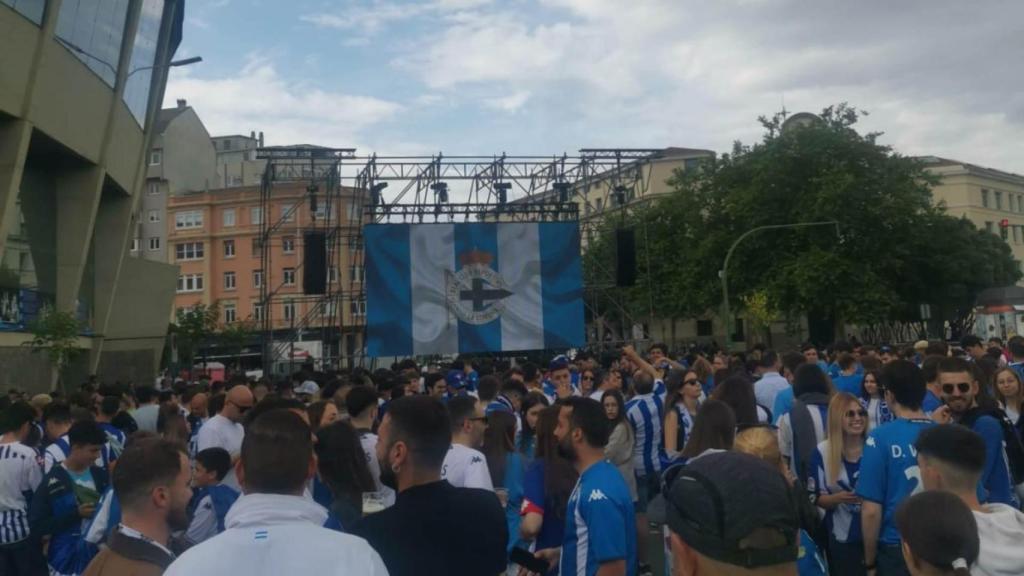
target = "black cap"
x: 718, y: 500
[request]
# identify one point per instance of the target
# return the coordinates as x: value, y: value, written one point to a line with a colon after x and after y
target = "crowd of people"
x: 850, y: 460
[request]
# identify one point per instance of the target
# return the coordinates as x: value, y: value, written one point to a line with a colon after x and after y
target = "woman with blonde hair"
x: 1010, y: 393
x: 836, y: 466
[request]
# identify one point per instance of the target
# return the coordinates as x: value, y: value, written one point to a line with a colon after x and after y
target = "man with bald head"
x: 225, y: 429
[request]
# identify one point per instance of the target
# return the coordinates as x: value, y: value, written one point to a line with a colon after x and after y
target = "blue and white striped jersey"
x: 844, y: 519
x: 646, y: 413
x: 20, y: 474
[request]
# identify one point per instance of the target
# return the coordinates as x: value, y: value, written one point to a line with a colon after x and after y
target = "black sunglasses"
x: 963, y: 387
x: 690, y: 381
x: 242, y: 409
x: 855, y: 413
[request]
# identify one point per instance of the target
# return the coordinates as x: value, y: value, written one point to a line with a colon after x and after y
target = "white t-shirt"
x: 368, y: 440
x: 219, y: 432
x: 465, y: 467
x: 999, y: 528
x: 204, y: 522
x: 19, y: 473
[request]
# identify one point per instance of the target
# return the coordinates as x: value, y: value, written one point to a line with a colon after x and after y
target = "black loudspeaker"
x: 625, y: 257
x: 314, y: 264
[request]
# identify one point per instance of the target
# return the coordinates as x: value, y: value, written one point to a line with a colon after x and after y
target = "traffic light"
x: 1004, y: 227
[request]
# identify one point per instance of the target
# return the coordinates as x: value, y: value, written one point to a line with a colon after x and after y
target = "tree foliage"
x: 895, y: 250
x: 193, y: 328
x: 55, y: 333
x: 235, y: 336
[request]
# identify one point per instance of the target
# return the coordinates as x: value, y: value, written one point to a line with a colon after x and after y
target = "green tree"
x: 894, y: 251
x: 55, y: 333
x: 235, y: 336
x: 193, y: 329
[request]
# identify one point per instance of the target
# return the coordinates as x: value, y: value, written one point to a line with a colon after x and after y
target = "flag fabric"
x: 472, y: 287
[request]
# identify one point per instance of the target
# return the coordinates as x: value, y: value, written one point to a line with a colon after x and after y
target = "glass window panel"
x: 136, y: 90
x: 31, y: 9
x: 97, y: 28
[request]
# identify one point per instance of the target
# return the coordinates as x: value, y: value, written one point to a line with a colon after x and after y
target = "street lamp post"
x: 172, y: 64
x: 724, y: 272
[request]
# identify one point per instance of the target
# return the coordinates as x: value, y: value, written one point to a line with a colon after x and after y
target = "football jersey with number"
x: 889, y: 472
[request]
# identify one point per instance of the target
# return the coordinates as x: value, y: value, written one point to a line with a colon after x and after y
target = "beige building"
x: 237, y: 164
x: 180, y: 160
x: 78, y: 102
x: 992, y: 199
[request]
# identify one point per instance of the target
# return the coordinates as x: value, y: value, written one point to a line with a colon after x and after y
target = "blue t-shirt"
x: 599, y: 518
x: 931, y: 402
x: 514, y: 485
x: 783, y: 404
x: 849, y: 384
x: 536, y: 499
x: 995, y: 480
x: 889, y: 472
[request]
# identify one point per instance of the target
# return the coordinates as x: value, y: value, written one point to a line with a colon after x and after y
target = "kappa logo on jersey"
x: 476, y: 460
x: 596, y: 495
x: 871, y: 442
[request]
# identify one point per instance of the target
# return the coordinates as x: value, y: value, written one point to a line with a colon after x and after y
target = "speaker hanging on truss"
x: 625, y: 257
x: 314, y: 263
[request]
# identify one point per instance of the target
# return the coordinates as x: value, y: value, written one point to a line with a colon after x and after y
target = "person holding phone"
x: 67, y: 497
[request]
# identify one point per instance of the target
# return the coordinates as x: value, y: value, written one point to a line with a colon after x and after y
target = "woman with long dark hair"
x: 738, y: 392
x: 873, y: 400
x: 714, y: 428
x: 506, y: 466
x: 341, y: 464
x: 684, y: 392
x: 548, y: 485
x: 533, y: 405
x: 619, y: 449
x: 321, y: 413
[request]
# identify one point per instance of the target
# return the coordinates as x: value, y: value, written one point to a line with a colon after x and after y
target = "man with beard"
x: 960, y: 390
x: 599, y: 536
x: 151, y: 481
x: 434, y: 527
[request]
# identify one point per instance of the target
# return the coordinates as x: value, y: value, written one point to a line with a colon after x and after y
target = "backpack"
x: 805, y: 441
x: 1011, y: 442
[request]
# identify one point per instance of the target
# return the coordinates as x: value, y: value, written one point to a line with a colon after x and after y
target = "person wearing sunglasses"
x: 225, y: 429
x: 836, y: 467
x: 684, y: 392
x: 960, y: 394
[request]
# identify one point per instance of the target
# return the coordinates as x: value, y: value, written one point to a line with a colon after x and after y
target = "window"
x: 355, y: 246
x: 999, y: 200
x: 136, y: 89
x: 227, y: 144
x: 97, y: 28
x: 256, y: 215
x: 229, y: 248
x: 188, y: 219
x: 356, y: 273
x: 332, y: 274
x: 31, y: 9
x: 257, y: 311
x: 289, y: 310
x: 330, y: 309
x: 257, y: 278
x: 190, y: 283
x: 357, y: 307
x: 236, y: 180
x: 288, y: 244
x: 598, y: 204
x: 984, y: 198
x: 154, y: 243
x: 289, y: 276
x: 989, y: 227
x: 288, y: 212
x: 188, y: 251
x: 154, y: 215
x: 228, y: 217
x: 704, y: 328
x: 154, y: 188
x: 135, y: 244
x: 156, y: 157
x: 229, y: 280
x: 1016, y: 234
x: 229, y: 313
x: 257, y: 246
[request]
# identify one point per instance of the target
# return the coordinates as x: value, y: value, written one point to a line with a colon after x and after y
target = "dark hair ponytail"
x: 940, y: 530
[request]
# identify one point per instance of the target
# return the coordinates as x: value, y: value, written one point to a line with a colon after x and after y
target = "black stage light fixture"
x: 376, y: 193
x: 562, y: 189
x: 501, y: 191
x: 620, y: 194
x: 440, y: 192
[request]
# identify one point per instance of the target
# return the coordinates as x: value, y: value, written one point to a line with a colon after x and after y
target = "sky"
x: 482, y: 77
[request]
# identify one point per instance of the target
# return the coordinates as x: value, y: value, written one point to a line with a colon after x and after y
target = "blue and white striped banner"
x: 467, y: 288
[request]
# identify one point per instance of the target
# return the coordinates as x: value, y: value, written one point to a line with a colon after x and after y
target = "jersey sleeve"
x: 204, y: 522
x: 781, y: 406
x: 817, y: 483
x: 604, y: 519
x: 996, y: 488
x: 33, y: 476
x: 871, y: 484
x: 786, y: 438
x: 477, y: 474
x: 533, y: 491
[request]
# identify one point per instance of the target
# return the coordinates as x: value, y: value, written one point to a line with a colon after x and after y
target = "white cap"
x: 307, y: 387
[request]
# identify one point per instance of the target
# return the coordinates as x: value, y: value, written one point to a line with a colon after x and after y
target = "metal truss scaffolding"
x: 438, y: 188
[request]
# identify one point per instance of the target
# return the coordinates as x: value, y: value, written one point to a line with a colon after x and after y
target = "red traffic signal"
x: 1004, y: 223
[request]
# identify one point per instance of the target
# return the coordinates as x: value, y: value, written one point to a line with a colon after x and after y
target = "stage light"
x: 562, y: 189
x: 620, y: 194
x: 376, y: 193
x: 440, y: 192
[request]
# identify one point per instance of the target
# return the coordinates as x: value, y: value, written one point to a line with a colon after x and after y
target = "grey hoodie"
x: 1001, y: 530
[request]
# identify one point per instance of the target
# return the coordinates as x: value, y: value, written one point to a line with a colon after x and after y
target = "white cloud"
x: 258, y: 98
x: 511, y: 103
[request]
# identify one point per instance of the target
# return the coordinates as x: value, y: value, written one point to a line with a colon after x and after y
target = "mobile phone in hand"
x: 524, y: 558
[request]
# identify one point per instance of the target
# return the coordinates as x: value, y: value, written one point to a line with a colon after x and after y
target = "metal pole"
x: 724, y: 272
